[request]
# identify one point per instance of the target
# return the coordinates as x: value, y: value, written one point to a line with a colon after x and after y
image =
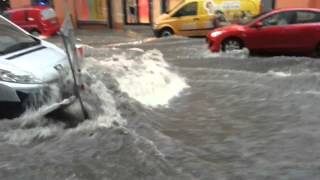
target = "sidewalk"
x: 101, y: 37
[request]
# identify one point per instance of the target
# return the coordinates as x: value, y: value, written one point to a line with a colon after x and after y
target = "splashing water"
x: 146, y: 78
x: 280, y: 74
x: 241, y: 54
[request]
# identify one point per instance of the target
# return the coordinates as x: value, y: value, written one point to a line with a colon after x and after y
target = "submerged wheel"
x: 317, y: 51
x: 232, y: 44
x: 166, y: 32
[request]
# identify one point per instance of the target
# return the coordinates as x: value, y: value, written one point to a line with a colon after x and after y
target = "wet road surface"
x: 169, y: 109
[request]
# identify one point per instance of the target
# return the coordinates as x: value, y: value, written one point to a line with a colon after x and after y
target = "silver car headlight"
x: 23, y: 79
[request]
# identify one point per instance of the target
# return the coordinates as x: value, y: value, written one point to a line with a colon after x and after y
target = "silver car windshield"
x: 13, y: 39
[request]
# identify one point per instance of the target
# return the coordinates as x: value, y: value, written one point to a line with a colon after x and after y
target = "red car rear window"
x: 48, y: 14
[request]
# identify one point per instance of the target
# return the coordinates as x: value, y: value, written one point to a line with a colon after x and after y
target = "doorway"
x: 137, y: 11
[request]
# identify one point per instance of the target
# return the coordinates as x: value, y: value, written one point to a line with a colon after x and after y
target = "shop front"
x: 94, y: 12
x: 137, y: 11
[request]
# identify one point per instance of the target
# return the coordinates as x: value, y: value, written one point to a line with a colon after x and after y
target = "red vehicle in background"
x: 38, y: 20
x: 285, y: 31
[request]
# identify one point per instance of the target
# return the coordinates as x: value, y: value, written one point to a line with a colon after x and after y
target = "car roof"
x: 39, y: 8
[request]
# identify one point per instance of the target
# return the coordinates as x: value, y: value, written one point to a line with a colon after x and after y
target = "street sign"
x: 67, y: 35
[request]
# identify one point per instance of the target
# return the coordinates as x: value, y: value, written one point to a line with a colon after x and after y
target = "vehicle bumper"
x: 14, y: 92
x: 213, y: 45
x: 34, y: 94
x: 50, y: 31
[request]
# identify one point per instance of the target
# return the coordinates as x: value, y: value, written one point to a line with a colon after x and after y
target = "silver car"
x: 31, y: 70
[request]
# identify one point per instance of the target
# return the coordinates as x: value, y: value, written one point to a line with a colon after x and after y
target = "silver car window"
x: 13, y: 39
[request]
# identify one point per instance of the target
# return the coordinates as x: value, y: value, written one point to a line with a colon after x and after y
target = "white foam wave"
x: 110, y: 114
x: 26, y: 136
x: 146, y: 78
x: 310, y: 92
x: 133, y: 42
x: 279, y: 74
x: 241, y: 54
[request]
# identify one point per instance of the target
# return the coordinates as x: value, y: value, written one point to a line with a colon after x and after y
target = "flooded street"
x: 169, y: 109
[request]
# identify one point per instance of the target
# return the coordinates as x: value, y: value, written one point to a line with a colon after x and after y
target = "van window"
x: 13, y: 39
x: 48, y: 14
x: 187, y: 10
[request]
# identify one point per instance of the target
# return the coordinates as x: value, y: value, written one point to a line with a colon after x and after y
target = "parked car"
x: 38, y: 20
x: 294, y: 30
x: 28, y: 67
x: 195, y: 17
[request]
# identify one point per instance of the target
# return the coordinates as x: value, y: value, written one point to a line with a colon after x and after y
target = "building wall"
x: 19, y: 3
x: 117, y: 14
x: 156, y: 12
x: 293, y: 3
x: 315, y: 4
x: 173, y: 3
x: 60, y: 8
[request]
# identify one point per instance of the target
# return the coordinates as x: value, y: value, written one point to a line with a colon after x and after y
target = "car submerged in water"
x: 29, y: 69
x: 285, y: 31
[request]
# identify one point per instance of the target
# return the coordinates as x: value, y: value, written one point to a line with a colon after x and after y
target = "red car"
x: 294, y: 30
x: 38, y: 20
